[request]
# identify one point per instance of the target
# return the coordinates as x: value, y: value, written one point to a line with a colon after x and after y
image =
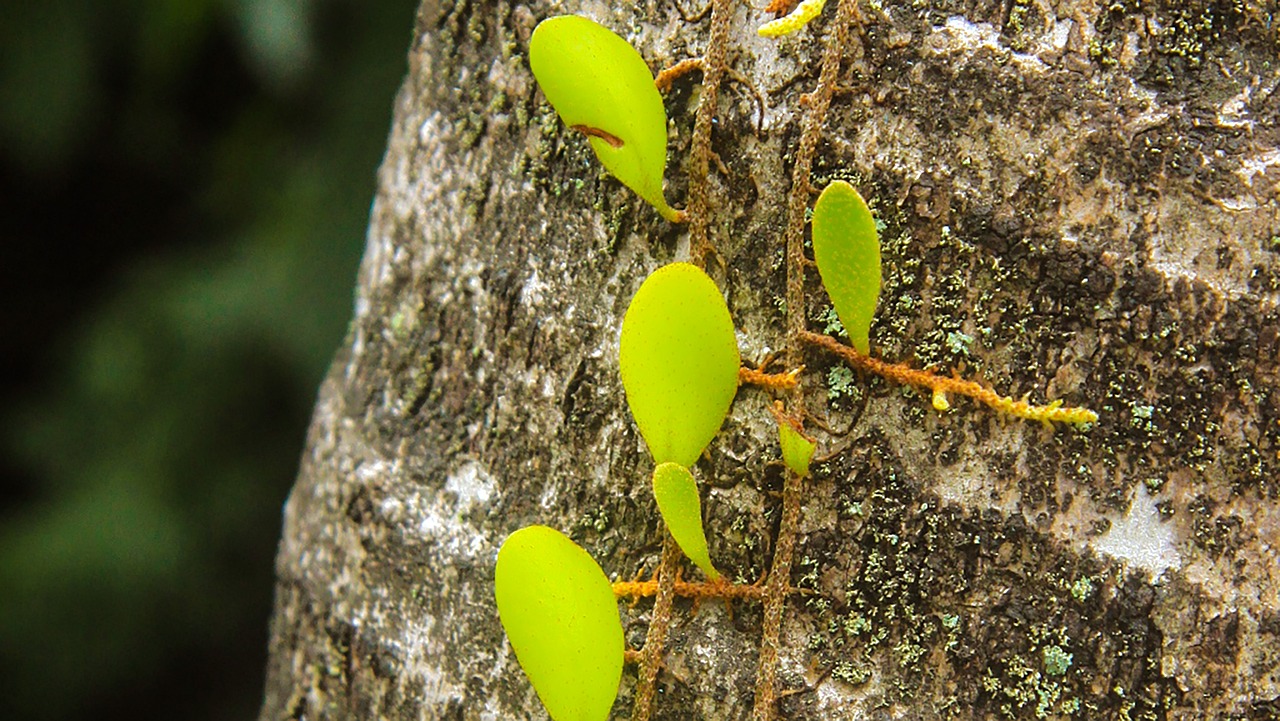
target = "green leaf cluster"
x: 601, y: 86
x: 679, y: 360
x: 559, y: 612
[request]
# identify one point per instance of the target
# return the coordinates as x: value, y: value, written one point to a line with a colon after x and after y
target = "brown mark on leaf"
x: 613, y: 140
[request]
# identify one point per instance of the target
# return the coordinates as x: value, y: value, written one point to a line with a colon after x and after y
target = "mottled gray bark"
x: 1079, y: 201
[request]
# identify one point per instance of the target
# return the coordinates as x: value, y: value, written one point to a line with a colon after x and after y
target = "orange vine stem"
x: 1049, y: 414
x: 773, y: 381
x: 670, y: 74
x: 686, y: 589
x: 659, y: 624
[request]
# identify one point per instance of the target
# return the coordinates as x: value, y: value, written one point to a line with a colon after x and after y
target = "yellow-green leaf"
x: 601, y: 86
x: 847, y: 251
x: 677, y: 495
x: 679, y: 361
x: 561, y: 617
x: 797, y: 450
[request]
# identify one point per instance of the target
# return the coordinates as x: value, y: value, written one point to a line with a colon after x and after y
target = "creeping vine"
x: 797, y: 204
x: 713, y: 63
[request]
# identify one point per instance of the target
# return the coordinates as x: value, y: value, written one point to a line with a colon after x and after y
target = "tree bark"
x: 1079, y: 200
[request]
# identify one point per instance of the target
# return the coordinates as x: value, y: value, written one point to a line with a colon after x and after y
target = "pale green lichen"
x: 1082, y: 589
x: 831, y: 322
x: 840, y: 382
x: 959, y: 343
x: 1056, y: 660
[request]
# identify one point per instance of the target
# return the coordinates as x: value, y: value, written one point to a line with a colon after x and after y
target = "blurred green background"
x: 185, y: 186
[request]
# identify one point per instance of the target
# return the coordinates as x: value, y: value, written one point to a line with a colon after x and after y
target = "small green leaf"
x: 679, y: 361
x: 677, y: 495
x: 847, y: 251
x: 797, y: 450
x: 561, y: 617
x: 601, y: 86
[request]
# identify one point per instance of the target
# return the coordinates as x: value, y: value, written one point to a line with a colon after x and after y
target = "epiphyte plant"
x: 678, y: 356
x: 846, y: 249
x: 561, y: 617
x: 677, y: 496
x: 601, y: 87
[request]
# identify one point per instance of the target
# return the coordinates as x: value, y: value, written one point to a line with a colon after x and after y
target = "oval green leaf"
x: 561, y: 617
x: 847, y: 251
x: 677, y: 495
x: 797, y: 450
x: 601, y: 86
x: 679, y: 361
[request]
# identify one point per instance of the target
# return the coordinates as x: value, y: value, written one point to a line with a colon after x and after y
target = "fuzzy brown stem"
x: 700, y: 146
x: 659, y: 623
x: 776, y: 591
x: 797, y: 203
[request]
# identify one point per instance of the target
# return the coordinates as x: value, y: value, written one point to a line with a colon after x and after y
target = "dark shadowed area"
x: 184, y: 188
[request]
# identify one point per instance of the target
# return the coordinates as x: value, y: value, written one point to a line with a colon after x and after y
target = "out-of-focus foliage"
x: 186, y: 188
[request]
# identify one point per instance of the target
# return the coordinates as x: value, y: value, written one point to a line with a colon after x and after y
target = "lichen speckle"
x: 1056, y: 660
x: 840, y: 382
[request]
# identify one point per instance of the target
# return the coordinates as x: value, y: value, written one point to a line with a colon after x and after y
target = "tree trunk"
x: 1079, y: 201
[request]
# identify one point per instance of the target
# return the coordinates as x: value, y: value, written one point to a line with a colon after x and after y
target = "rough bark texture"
x: 1079, y: 200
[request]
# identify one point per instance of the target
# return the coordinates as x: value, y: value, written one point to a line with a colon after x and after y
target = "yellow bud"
x: 940, y: 403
